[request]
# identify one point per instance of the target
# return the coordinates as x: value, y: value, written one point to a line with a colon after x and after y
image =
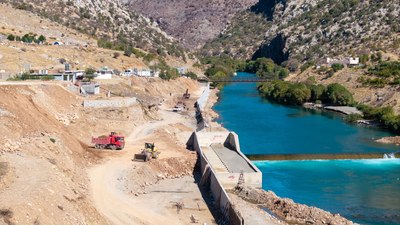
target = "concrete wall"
x: 231, y: 141
x: 202, y: 101
x: 221, y: 181
x: 4, y: 75
x: 209, y: 176
x: 93, y: 89
x: 123, y: 102
x: 200, y: 105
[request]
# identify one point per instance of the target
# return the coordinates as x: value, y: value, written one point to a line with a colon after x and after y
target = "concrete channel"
x: 223, y: 165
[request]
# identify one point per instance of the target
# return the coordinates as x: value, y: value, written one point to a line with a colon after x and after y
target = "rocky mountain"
x: 310, y: 30
x: 107, y: 20
x: 192, y: 22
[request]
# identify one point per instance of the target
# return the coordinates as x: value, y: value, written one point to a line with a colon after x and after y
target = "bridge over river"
x: 239, y: 80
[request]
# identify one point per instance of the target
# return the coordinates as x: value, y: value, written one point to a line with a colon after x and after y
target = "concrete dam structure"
x: 223, y: 166
x: 221, y: 152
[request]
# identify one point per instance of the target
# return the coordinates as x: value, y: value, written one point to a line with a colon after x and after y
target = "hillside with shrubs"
x: 309, y: 31
x: 108, y: 21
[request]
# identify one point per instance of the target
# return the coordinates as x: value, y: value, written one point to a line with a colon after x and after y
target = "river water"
x: 364, y: 191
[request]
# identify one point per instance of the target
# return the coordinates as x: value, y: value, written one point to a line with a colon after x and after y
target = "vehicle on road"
x: 112, y: 141
x: 149, y: 152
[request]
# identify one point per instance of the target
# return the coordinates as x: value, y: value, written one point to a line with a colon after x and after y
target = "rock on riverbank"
x: 389, y: 140
x: 290, y: 211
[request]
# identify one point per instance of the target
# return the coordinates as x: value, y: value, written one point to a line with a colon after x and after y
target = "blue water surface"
x: 364, y: 191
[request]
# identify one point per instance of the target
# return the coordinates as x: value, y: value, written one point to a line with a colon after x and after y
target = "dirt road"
x: 120, y: 207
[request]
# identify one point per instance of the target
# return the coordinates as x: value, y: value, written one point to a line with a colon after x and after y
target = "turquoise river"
x: 364, y: 191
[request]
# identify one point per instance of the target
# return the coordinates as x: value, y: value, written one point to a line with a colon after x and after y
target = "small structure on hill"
x: 347, y: 61
x: 181, y: 70
x: 90, y: 88
x: 4, y: 75
x: 142, y: 72
x: 60, y: 75
x: 104, y: 74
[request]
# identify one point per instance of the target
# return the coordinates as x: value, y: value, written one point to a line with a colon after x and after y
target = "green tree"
x: 90, y: 71
x: 337, y: 66
x: 338, y: 95
x: 191, y: 75
x: 128, y: 51
x: 11, y: 37
x: 317, y: 92
x: 169, y: 74
x: 41, y: 39
x: 298, y: 94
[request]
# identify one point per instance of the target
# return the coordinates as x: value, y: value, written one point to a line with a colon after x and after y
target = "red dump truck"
x: 112, y: 141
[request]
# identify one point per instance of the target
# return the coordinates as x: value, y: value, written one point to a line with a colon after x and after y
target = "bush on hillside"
x: 337, y: 94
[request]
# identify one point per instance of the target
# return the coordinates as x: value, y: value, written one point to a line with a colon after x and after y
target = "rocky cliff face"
x: 108, y: 20
x: 191, y: 22
x: 311, y: 30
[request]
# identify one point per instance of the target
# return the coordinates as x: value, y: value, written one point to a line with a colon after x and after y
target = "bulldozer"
x: 149, y: 152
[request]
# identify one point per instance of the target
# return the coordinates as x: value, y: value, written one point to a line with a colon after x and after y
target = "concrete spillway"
x: 322, y: 156
x: 231, y: 159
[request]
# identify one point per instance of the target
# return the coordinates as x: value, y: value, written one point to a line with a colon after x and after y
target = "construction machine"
x: 186, y: 95
x: 149, y: 152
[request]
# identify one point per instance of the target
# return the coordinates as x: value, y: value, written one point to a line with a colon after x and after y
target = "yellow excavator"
x: 149, y: 152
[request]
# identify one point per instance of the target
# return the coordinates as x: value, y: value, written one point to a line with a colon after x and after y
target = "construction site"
x: 123, y: 150
x: 139, y: 163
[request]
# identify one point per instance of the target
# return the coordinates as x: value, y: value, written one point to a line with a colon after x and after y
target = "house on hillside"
x: 142, y: 72
x: 3, y: 38
x: 353, y: 61
x: 347, y: 61
x: 155, y: 73
x: 4, y: 75
x: 181, y: 70
x: 59, y: 75
x: 104, y: 74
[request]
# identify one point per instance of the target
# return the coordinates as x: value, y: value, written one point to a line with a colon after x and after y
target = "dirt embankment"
x: 44, y: 153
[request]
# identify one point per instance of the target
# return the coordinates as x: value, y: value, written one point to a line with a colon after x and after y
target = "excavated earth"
x: 46, y: 157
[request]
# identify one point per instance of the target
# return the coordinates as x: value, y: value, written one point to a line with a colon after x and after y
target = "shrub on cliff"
x: 169, y: 74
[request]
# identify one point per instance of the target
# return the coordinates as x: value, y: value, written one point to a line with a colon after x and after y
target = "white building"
x: 104, y: 74
x: 354, y: 61
x: 142, y: 72
x: 181, y: 70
